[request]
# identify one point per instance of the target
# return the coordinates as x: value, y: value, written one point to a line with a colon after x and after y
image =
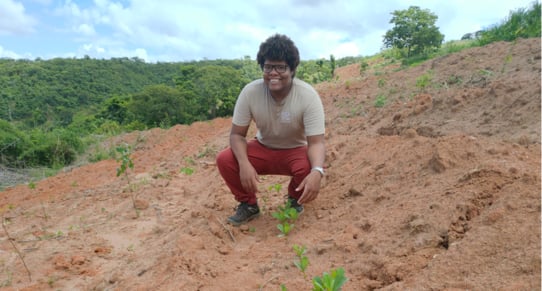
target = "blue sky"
x: 180, y: 30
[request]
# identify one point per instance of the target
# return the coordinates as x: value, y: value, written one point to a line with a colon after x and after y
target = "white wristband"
x: 319, y: 169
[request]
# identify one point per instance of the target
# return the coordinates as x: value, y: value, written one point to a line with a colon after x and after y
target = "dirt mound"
x: 433, y: 183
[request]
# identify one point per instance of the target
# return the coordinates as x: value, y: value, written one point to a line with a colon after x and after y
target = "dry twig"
x: 10, y: 239
x: 226, y: 229
x: 270, y: 279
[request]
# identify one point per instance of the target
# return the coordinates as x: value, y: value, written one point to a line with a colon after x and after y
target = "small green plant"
x: 380, y: 101
x: 125, y: 160
x: 51, y: 281
x: 265, y: 196
x: 187, y: 171
x: 484, y: 72
x: 363, y: 67
x: 286, y: 216
x: 381, y: 83
x: 424, y: 80
x: 303, y: 261
x: 454, y: 79
x: 507, y: 60
x: 330, y: 281
x: 277, y: 187
x: 126, y: 163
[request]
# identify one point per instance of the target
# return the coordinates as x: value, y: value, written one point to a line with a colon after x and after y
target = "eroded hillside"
x: 437, y: 187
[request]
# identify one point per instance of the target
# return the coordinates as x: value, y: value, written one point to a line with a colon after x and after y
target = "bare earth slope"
x: 439, y: 189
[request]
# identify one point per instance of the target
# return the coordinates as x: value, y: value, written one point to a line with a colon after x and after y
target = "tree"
x: 158, y: 104
x: 414, y: 31
x: 214, y: 89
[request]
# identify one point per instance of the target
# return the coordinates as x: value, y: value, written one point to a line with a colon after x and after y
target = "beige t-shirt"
x: 285, y: 125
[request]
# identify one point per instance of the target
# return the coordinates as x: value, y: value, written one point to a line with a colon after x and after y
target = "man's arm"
x: 316, y: 150
x: 247, y: 173
x: 317, y: 154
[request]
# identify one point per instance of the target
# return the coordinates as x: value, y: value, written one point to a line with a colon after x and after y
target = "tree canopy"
x: 414, y: 31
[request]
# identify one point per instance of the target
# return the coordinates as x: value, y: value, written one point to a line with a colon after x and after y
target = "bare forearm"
x: 317, y: 154
x: 238, y: 145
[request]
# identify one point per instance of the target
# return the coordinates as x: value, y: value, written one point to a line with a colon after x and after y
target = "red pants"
x: 288, y: 162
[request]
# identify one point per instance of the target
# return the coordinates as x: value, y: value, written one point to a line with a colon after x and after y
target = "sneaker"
x: 244, y: 214
x: 293, y: 204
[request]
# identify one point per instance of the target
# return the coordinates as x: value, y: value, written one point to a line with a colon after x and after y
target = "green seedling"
x: 265, y: 197
x: 277, y: 187
x: 187, y: 171
x: 330, y: 281
x: 285, y: 228
x: 126, y: 163
x: 125, y: 160
x: 380, y: 101
x: 424, y: 80
x: 32, y: 185
x: 286, y: 216
x: 51, y: 281
x: 303, y: 262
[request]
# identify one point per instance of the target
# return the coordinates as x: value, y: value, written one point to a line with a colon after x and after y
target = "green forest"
x: 48, y: 107
x: 52, y: 110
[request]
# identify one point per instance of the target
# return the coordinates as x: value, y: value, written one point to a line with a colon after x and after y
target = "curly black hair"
x: 279, y: 48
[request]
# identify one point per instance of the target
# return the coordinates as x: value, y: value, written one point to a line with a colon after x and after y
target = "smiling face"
x: 278, y: 78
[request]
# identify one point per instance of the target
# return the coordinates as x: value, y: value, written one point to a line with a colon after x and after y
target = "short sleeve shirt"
x: 285, y: 125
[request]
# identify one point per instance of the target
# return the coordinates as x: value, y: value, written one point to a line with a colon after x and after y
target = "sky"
x: 191, y: 30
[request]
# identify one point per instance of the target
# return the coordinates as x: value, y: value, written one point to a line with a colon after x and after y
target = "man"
x: 289, y: 116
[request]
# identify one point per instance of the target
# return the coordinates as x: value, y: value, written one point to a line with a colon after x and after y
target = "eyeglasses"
x: 279, y: 68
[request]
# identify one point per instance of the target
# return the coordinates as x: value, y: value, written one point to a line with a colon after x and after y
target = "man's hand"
x: 310, y: 186
x: 249, y: 178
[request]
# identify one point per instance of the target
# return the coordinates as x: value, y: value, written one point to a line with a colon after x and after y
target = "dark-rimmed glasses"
x: 279, y: 68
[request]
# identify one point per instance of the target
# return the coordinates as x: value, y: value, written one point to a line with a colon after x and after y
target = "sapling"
x: 303, y: 262
x: 330, y: 281
x: 265, y: 198
x: 126, y: 163
x: 286, y: 216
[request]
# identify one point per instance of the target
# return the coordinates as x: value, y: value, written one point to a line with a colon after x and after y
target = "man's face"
x: 277, y: 75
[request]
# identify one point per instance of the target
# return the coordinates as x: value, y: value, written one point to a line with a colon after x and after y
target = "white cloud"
x: 85, y: 29
x: 8, y: 54
x: 171, y: 30
x: 13, y: 19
